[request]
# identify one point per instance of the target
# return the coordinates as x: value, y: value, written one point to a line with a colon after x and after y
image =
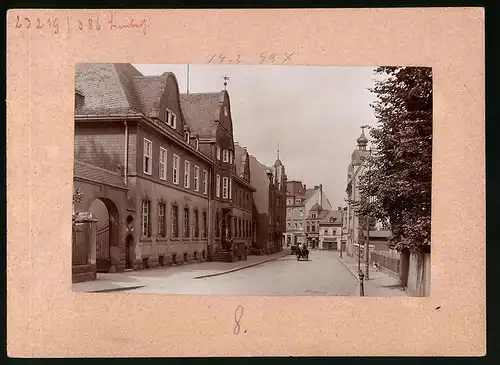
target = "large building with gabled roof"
x: 133, y: 126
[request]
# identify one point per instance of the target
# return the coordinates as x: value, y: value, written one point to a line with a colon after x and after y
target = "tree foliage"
x: 396, y: 187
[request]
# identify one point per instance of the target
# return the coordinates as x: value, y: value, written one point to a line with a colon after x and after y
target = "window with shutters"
x: 148, y: 153
x: 196, y: 227
x: 205, y: 182
x: 162, y: 231
x: 187, y: 174
x: 217, y: 186
x: 196, y: 178
x: 175, y: 221
x: 146, y: 211
x: 163, y: 164
x: 186, y: 222
x: 224, y: 187
x: 175, y: 170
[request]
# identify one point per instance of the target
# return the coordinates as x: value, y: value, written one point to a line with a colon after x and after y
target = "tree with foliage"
x: 396, y: 187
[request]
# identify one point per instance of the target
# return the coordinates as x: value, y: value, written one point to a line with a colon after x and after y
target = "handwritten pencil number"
x: 222, y: 57
x: 238, y: 314
x: 263, y: 58
x: 38, y: 24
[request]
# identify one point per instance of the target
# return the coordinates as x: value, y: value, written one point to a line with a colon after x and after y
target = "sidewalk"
x: 380, y: 284
x: 108, y: 282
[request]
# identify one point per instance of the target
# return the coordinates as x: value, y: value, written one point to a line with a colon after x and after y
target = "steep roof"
x: 97, y: 174
x: 149, y: 90
x: 316, y: 207
x: 107, y: 89
x: 201, y: 111
x: 309, y: 193
x: 335, y: 214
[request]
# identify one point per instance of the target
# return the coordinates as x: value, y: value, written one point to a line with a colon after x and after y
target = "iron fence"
x: 386, y: 260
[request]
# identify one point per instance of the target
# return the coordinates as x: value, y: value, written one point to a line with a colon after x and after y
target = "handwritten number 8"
x: 90, y: 23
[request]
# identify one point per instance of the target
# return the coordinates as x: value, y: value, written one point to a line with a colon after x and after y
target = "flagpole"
x: 187, y: 86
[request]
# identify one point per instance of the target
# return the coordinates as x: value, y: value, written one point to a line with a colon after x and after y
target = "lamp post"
x: 361, y: 277
x: 341, y: 229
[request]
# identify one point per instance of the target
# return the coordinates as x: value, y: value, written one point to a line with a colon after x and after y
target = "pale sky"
x: 314, y: 112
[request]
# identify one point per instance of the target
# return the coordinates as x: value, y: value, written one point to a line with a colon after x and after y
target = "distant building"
x: 269, y: 204
x: 355, y: 234
x: 242, y: 197
x: 330, y: 226
x: 295, y: 213
x: 316, y: 205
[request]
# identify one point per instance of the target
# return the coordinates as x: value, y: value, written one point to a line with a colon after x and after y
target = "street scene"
x: 252, y: 180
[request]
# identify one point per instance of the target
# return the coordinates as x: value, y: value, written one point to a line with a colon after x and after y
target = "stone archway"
x: 107, y: 235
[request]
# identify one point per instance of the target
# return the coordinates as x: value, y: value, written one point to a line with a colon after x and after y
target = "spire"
x: 362, y: 140
x: 278, y: 152
x: 226, y: 79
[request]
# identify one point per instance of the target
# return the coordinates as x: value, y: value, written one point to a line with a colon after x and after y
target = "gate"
x: 81, y: 246
x: 103, y: 259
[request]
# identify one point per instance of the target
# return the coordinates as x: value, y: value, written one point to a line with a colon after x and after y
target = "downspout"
x: 125, y: 168
x: 210, y: 230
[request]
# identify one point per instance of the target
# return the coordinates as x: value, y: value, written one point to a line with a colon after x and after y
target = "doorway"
x: 106, y: 214
x: 129, y: 253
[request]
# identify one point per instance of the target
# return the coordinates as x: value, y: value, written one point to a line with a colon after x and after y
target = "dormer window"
x: 225, y: 111
x: 170, y: 118
x: 197, y: 143
x: 225, y: 155
x: 217, y: 152
x: 186, y: 137
x: 231, y: 157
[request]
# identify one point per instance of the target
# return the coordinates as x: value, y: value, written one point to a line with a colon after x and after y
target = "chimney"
x: 305, y: 187
x: 321, y: 195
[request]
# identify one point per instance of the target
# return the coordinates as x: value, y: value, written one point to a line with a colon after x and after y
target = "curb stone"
x: 116, y: 289
x: 240, y: 268
x: 348, y: 268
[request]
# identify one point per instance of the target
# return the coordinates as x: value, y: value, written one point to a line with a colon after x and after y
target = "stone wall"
x: 419, y: 275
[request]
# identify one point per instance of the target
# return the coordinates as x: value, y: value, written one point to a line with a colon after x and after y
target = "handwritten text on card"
x: 56, y: 25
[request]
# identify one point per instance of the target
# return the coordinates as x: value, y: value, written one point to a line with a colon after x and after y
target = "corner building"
x: 132, y: 126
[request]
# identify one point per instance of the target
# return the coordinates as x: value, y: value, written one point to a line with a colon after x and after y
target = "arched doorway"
x: 107, y: 216
x: 129, y: 252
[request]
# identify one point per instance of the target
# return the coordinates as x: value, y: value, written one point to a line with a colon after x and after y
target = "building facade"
x: 162, y: 177
x: 330, y: 227
x: 354, y: 172
x: 295, y: 213
x: 269, y: 204
x: 209, y: 117
x: 133, y: 125
x: 243, y: 199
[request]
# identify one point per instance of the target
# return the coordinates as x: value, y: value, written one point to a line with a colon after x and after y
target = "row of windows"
x: 227, y: 155
x: 191, y: 225
x: 290, y: 201
x: 242, y: 228
x: 162, y: 172
x: 295, y: 211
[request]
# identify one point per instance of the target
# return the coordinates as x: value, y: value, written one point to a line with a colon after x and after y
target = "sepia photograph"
x: 263, y: 180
